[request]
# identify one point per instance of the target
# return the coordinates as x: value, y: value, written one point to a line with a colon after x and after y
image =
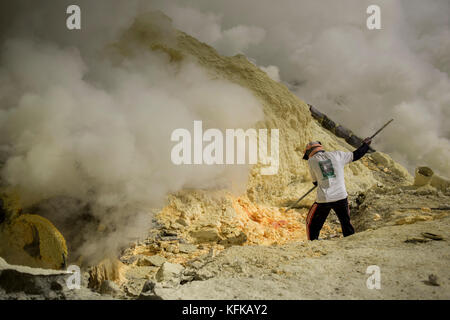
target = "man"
x: 327, y: 172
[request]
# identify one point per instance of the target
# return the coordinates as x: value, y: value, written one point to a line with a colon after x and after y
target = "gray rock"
x: 148, y: 291
x: 154, y: 260
x: 169, y: 272
x: 234, y: 240
x: 134, y: 287
x: 149, y: 286
x: 149, y: 296
x: 31, y: 281
x: 197, y: 264
x: 110, y: 287
x: 182, y: 222
x: 136, y: 272
x: 20, y: 282
x: 206, y: 235
x: 187, y: 248
x: 128, y: 260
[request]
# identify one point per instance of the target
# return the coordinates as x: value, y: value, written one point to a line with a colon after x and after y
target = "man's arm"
x: 362, y: 150
x: 313, y: 176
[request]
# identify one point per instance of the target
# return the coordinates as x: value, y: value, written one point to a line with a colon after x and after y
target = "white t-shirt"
x: 327, y: 168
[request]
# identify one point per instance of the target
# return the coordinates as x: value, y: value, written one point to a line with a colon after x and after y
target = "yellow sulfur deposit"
x: 269, y: 225
x: 108, y: 269
x: 34, y: 241
x: 28, y: 239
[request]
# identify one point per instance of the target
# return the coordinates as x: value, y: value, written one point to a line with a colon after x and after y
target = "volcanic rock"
x: 169, y: 273
x: 155, y: 260
x: 21, y: 282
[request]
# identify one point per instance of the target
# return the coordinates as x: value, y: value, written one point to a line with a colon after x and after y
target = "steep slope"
x: 282, y: 109
x: 220, y: 216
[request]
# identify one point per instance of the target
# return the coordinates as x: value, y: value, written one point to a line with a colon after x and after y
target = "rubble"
x: 20, y: 282
x: 169, y: 273
x: 328, y: 269
x: 154, y: 260
x: 110, y: 287
x: 187, y: 248
x: 148, y: 291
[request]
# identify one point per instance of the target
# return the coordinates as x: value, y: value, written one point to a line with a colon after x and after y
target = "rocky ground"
x: 411, y: 265
x: 216, y: 245
x: 261, y: 252
x: 404, y: 230
x: 25, y: 283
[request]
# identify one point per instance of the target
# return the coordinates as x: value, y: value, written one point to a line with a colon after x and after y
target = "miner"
x: 327, y: 172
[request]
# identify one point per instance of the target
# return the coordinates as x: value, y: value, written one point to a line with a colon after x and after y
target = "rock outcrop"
x: 19, y: 282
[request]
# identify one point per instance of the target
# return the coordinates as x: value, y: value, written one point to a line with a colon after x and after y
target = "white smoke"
x: 76, y: 124
x: 208, y: 28
x: 359, y: 77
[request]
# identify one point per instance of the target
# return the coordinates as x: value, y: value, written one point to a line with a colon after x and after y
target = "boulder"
x: 137, y: 272
x: 21, y: 282
x: 148, y: 291
x: 170, y: 273
x: 107, y: 269
x: 110, y: 287
x: 154, y: 260
x: 234, y: 239
x: 133, y: 287
x: 206, y: 235
x: 187, y: 248
x: 32, y: 240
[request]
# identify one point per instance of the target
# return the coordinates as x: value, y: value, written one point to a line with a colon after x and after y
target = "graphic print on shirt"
x: 327, y: 169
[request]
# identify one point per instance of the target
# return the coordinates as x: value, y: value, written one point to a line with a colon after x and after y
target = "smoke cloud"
x: 93, y: 133
x: 361, y: 78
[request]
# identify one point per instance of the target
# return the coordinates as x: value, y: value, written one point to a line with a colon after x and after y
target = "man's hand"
x: 368, y: 141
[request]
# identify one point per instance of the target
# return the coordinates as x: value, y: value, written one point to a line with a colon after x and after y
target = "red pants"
x: 319, y: 213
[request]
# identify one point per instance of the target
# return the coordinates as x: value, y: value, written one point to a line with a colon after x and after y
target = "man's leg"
x: 315, y: 219
x: 343, y: 213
